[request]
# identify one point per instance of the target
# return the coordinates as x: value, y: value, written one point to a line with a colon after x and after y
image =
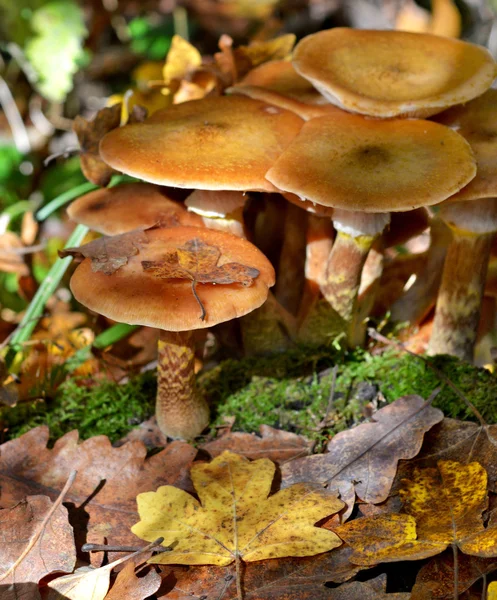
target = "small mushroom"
x: 177, y: 280
x: 393, y: 73
x: 128, y: 206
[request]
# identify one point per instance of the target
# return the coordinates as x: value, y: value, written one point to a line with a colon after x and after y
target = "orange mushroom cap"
x: 358, y: 164
x: 125, y: 207
x: 134, y: 295
x: 393, y: 73
x: 224, y: 143
x: 476, y: 121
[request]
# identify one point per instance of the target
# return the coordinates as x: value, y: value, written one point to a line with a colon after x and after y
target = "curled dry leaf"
x: 89, y: 134
x: 363, y: 460
x: 198, y: 262
x: 276, y: 579
x: 435, y: 580
x: 235, y: 517
x: 103, y: 497
x: 52, y: 546
x: 108, y: 253
x: 279, y: 446
x: 442, y: 506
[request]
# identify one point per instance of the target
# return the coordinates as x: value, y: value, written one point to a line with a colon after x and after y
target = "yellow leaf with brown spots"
x: 235, y: 517
x: 442, y: 506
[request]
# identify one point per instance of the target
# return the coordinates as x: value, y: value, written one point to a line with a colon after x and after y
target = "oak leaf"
x: 235, y: 517
x: 102, y: 500
x: 198, y: 262
x: 275, y: 444
x: 442, y: 507
x: 108, y: 253
x: 130, y: 587
x: 34, y: 544
x: 363, y: 460
x: 89, y: 134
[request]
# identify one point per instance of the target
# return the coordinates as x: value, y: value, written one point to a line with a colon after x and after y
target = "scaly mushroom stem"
x: 356, y: 234
x: 181, y: 411
x: 419, y: 299
x: 460, y: 297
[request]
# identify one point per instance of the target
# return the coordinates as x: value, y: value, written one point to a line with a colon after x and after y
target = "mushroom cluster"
x: 316, y: 164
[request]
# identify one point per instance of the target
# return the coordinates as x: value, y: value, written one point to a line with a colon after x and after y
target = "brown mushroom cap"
x: 350, y: 162
x: 393, y: 73
x: 278, y: 83
x: 128, y: 206
x: 477, y: 123
x: 132, y: 295
x: 224, y: 143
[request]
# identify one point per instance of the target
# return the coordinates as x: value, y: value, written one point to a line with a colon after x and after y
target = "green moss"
x: 105, y: 408
x: 289, y: 391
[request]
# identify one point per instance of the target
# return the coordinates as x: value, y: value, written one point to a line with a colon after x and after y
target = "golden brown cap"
x: 350, y: 162
x: 278, y: 83
x: 137, y: 296
x: 476, y: 121
x: 128, y: 206
x: 224, y: 143
x: 393, y: 73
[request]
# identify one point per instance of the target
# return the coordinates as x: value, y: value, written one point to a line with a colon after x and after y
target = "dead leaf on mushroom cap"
x: 108, y: 253
x: 235, y: 517
x: 53, y: 549
x: 442, y: 506
x: 363, y: 460
x: 102, y: 500
x: 89, y: 134
x: 197, y: 261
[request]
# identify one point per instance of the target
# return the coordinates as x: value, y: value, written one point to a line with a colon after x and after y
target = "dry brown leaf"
x: 52, y: 539
x: 363, y: 460
x: 197, y: 261
x: 435, y: 580
x: 108, y: 253
x: 277, y: 445
x: 103, y: 497
x: 462, y: 441
x: 128, y: 586
x: 89, y: 134
x: 10, y: 260
x: 264, y: 579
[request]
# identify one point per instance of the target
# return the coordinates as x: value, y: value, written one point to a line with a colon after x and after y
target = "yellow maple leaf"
x: 235, y: 518
x: 442, y: 506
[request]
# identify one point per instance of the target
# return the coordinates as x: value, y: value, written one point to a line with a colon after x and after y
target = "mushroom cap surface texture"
x: 128, y: 206
x: 476, y: 121
x: 227, y: 143
x: 393, y: 73
x: 351, y: 162
x: 137, y: 297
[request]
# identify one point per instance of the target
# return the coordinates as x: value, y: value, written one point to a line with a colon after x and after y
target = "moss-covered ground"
x: 289, y: 391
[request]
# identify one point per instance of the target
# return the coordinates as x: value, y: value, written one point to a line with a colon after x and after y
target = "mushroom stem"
x: 473, y: 224
x: 415, y: 304
x: 356, y: 234
x: 460, y: 297
x: 182, y: 413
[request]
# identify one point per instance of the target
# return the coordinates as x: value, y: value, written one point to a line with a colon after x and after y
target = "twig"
x: 456, y: 572
x: 381, y: 338
x: 70, y: 151
x: 13, y: 116
x: 41, y: 528
x: 106, y: 548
